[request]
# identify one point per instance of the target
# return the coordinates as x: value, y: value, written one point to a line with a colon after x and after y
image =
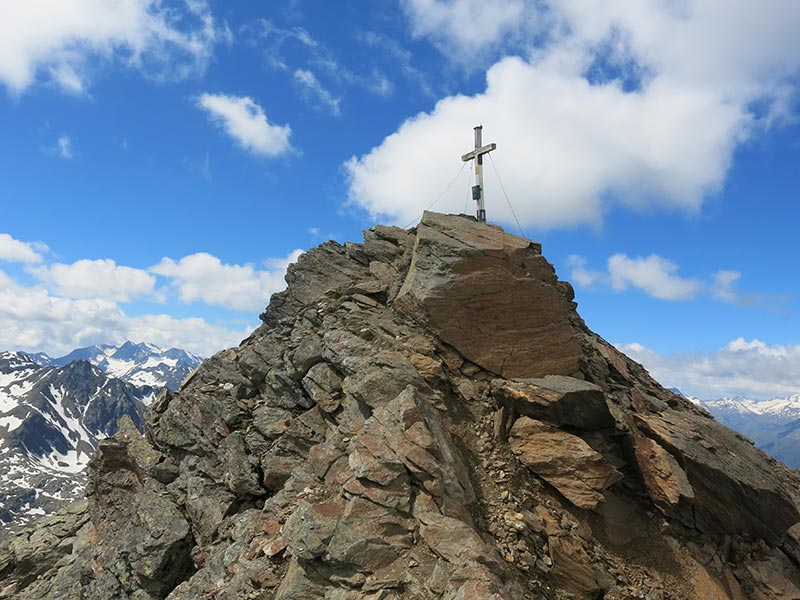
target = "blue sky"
x: 161, y: 162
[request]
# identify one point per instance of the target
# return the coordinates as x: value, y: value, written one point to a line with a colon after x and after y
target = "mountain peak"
x: 424, y: 415
x: 142, y: 364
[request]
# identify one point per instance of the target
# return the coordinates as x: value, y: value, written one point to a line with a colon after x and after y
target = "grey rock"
x: 324, y: 386
x: 557, y: 399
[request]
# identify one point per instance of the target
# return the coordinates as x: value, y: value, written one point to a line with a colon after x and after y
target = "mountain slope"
x: 51, y: 419
x: 422, y: 416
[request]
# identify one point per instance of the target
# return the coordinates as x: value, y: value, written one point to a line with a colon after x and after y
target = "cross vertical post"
x: 477, y: 154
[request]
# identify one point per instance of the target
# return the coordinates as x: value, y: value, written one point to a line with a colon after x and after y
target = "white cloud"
x: 206, y: 278
x: 658, y: 277
x: 67, y: 79
x: 64, y: 146
x: 61, y: 40
x: 311, y: 85
x: 748, y: 368
x: 380, y: 84
x: 98, y: 279
x: 636, y: 102
x: 190, y: 333
x: 245, y: 121
x: 580, y: 273
x: 32, y: 319
x: 722, y: 285
x: 462, y: 28
x: 12, y: 250
x: 654, y: 275
x: 78, y: 304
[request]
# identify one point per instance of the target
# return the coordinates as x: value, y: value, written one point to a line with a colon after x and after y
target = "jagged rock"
x: 324, y: 386
x: 557, y: 399
x: 418, y: 418
x: 574, y: 569
x: 664, y: 478
x: 455, y: 541
x: 563, y: 460
x: 297, y: 585
x: 310, y: 527
x: 721, y: 465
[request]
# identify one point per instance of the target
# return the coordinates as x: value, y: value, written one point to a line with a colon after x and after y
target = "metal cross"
x: 477, y: 189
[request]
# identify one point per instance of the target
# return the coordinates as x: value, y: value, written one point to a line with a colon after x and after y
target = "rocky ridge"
x: 425, y: 416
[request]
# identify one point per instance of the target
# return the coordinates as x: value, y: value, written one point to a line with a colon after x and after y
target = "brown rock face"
x: 563, y: 460
x: 718, y: 465
x: 492, y: 296
x: 423, y: 416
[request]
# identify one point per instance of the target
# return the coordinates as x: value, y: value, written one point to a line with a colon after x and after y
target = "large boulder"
x: 564, y: 460
x: 492, y: 296
x: 557, y: 399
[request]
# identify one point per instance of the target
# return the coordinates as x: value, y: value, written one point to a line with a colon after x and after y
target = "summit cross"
x: 477, y: 189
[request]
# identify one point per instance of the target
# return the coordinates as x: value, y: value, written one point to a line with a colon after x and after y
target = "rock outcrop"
x: 421, y: 416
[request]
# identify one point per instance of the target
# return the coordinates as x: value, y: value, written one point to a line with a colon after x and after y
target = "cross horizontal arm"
x: 478, y: 152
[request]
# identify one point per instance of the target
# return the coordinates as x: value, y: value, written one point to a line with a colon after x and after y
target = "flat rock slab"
x: 665, y: 480
x: 564, y: 461
x: 557, y: 399
x: 492, y: 296
x: 721, y: 466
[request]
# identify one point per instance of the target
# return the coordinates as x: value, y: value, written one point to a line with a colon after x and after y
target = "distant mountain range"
x: 143, y: 365
x: 773, y: 425
x: 53, y: 412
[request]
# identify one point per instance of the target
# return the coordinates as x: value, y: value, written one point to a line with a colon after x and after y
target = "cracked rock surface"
x: 421, y: 416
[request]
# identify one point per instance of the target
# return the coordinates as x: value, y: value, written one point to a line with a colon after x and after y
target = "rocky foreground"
x: 425, y: 416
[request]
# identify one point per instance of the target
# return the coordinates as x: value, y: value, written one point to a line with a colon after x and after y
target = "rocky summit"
x: 423, y: 415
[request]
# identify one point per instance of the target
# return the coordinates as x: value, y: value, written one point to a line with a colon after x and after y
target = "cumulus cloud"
x: 654, y: 275
x: 12, y: 250
x: 99, y: 279
x: 33, y: 319
x: 750, y: 368
x: 95, y: 301
x: 658, y: 277
x: 203, y: 277
x: 60, y: 41
x: 244, y: 120
x: 639, y: 103
x: 312, y: 88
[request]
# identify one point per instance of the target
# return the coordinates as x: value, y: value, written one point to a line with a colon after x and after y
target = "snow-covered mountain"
x: 140, y: 364
x: 774, y: 425
x: 51, y: 419
x: 53, y: 412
